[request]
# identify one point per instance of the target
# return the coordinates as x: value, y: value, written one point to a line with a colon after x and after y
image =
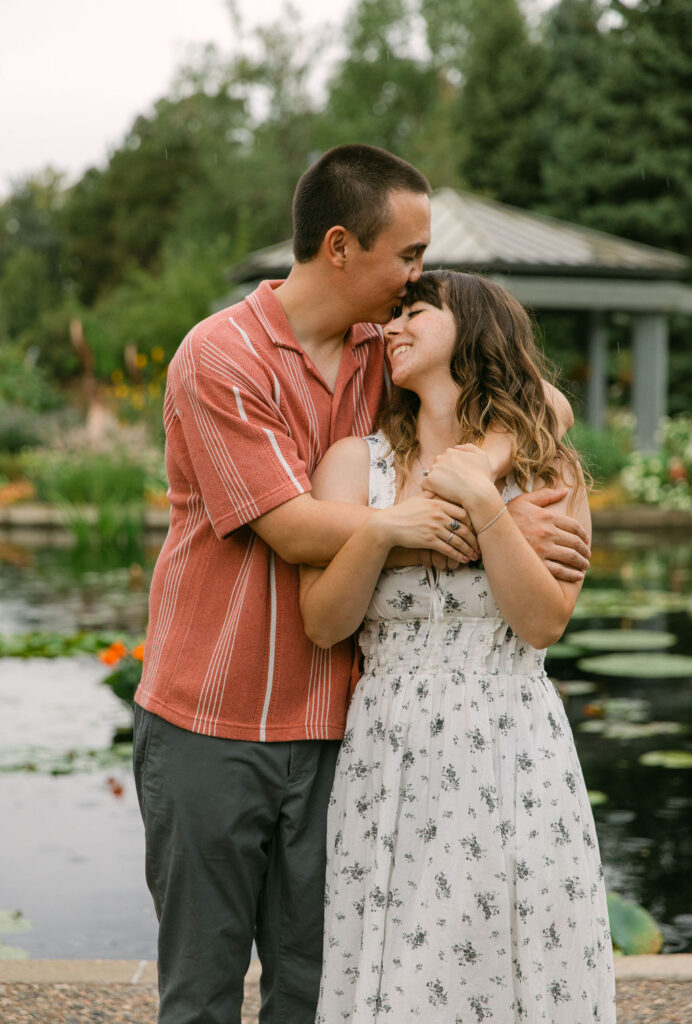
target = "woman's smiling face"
x: 420, y: 344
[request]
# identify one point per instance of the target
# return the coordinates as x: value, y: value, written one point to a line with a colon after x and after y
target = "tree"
x: 382, y: 92
x: 621, y: 101
x: 118, y: 217
x: 496, y: 123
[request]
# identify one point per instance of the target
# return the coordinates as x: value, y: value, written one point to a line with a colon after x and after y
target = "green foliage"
x: 604, y: 452
x: 497, y: 115
x: 86, y: 477
x: 24, y: 392
x: 380, y: 94
x: 102, y: 497
x: 125, y: 679
x: 157, y: 310
x: 54, y: 645
x: 118, y: 218
x: 664, y: 478
x: 24, y: 384
x: 582, y: 112
x: 18, y: 429
x: 27, y: 288
x: 619, y: 108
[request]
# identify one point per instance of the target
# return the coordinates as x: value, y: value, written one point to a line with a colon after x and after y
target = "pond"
x: 72, y: 860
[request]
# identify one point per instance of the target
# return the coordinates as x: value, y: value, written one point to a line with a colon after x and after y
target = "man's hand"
x: 559, y: 540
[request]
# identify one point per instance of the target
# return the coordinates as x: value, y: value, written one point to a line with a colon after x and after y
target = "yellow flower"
x: 137, y: 400
x: 117, y: 376
x: 154, y: 389
x: 157, y: 354
x: 122, y: 391
x: 141, y: 360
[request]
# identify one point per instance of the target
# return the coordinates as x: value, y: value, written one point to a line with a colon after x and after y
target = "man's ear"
x: 338, y: 243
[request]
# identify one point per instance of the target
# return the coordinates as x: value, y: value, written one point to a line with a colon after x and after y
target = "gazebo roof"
x: 471, y: 232
x: 475, y: 232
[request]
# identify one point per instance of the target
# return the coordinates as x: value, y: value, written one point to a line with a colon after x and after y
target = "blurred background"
x: 147, y: 151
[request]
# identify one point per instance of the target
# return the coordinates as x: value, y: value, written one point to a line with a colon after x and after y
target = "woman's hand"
x: 462, y: 475
x: 425, y: 521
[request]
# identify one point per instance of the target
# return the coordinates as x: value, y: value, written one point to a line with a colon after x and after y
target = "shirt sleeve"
x: 238, y: 446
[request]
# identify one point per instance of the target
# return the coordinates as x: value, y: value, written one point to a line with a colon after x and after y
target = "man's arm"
x: 308, y: 530
x: 304, y: 530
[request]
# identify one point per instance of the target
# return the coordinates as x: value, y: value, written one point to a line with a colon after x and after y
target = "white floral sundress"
x: 464, y: 881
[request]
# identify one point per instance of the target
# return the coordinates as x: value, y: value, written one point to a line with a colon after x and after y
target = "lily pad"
x: 630, y: 604
x: 564, y: 650
x: 632, y: 928
x: 667, y: 759
x: 622, y: 639
x: 12, y: 921
x: 596, y: 797
x: 624, y: 730
x: 64, y: 762
x: 640, y: 666
x: 12, y: 953
x: 576, y: 687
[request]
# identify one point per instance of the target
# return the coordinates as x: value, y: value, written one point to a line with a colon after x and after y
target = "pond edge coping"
x: 43, y: 516
x: 669, y: 967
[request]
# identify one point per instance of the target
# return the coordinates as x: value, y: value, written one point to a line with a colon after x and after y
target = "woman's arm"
x: 535, y: 604
x: 333, y: 601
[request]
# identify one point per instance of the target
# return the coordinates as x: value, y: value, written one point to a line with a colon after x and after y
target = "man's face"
x: 378, y: 276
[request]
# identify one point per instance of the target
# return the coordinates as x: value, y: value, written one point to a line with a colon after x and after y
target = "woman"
x: 463, y: 877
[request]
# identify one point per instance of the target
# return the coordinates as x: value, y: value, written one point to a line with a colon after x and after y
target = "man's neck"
x: 319, y: 320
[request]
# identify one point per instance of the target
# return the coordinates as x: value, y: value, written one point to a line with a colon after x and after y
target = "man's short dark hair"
x: 349, y: 185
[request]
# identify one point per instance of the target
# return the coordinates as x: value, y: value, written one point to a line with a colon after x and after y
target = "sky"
x: 74, y: 74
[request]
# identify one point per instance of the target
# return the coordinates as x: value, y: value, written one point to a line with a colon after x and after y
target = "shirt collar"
x: 273, y: 319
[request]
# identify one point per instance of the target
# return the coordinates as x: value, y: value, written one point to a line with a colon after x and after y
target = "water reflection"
x: 83, y: 831
x: 643, y: 827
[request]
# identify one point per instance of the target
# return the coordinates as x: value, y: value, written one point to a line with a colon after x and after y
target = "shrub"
x: 18, y: 429
x: 24, y: 384
x: 84, y: 477
x: 665, y: 477
x: 603, y: 452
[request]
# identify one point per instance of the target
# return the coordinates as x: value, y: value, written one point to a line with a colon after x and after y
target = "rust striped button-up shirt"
x: 247, y: 419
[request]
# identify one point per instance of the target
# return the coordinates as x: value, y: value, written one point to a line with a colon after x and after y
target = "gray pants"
x: 235, y: 851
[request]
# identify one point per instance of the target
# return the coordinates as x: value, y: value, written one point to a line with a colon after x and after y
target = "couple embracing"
x: 364, y: 446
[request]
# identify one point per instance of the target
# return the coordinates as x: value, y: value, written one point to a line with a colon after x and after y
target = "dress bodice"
x: 454, y: 608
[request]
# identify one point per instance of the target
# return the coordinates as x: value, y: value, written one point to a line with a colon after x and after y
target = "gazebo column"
x: 650, y: 384
x: 598, y: 358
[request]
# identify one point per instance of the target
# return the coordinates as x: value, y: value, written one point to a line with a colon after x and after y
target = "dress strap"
x: 382, y: 484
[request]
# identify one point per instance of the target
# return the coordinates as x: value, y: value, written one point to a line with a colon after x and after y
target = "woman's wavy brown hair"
x: 498, y: 368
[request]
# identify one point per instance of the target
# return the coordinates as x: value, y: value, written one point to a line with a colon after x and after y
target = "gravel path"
x: 639, y: 1002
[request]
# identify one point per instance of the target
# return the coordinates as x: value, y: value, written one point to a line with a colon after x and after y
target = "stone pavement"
x: 651, y: 990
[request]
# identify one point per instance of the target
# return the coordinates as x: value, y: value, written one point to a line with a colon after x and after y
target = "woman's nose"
x: 392, y: 328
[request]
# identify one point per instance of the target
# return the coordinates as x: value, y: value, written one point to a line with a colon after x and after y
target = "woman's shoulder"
x: 343, y: 473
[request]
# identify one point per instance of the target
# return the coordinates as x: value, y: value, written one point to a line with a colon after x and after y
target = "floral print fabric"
x: 463, y: 880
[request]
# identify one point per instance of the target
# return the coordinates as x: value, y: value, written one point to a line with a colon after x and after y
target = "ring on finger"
x: 451, y: 538
x: 454, y: 525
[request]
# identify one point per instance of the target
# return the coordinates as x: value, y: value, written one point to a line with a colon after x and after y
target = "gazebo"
x: 550, y: 264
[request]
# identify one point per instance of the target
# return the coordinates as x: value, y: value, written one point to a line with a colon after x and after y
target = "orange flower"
x: 113, y: 654
x: 676, y: 471
x: 138, y: 652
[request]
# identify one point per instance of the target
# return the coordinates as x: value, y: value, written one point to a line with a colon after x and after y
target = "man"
x: 240, y: 717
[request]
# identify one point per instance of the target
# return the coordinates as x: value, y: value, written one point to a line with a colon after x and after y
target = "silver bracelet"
x: 493, y: 520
